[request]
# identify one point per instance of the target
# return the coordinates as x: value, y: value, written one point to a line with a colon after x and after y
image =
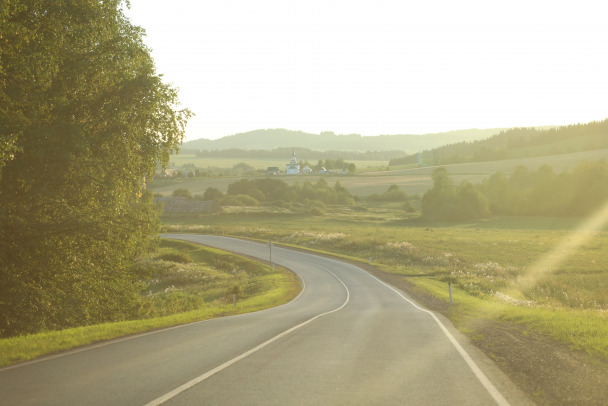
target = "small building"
x: 293, y: 168
x: 167, y: 173
x: 306, y: 169
x: 273, y: 170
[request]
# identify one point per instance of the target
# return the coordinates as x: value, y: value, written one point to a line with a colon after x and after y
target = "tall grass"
x: 187, y: 283
x: 483, y: 261
x: 582, y: 329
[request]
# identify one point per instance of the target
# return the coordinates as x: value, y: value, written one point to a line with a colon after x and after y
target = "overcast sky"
x: 379, y: 66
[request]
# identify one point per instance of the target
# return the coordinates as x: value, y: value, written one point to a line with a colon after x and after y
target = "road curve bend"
x: 347, y: 339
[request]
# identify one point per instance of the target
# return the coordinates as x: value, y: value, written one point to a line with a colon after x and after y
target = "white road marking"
x: 483, y: 379
x: 170, y: 395
x: 111, y: 341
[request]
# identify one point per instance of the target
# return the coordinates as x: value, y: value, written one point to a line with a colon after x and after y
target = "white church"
x: 293, y: 168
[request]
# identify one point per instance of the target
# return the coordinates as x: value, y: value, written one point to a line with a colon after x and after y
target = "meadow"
x: 368, y: 181
x: 495, y: 266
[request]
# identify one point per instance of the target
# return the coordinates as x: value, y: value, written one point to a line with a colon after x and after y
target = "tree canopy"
x: 84, y: 121
x: 540, y: 192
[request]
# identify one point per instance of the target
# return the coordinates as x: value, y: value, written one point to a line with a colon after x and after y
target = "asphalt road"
x: 347, y: 339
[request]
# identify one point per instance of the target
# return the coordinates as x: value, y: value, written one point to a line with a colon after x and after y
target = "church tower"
x: 293, y: 168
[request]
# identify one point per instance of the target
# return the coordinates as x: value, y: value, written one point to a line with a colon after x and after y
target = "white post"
x: 234, y: 299
x: 270, y: 250
x: 370, y: 260
x: 450, y: 289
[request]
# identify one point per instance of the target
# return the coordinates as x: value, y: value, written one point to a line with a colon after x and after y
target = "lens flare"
x: 566, y: 248
x: 424, y: 161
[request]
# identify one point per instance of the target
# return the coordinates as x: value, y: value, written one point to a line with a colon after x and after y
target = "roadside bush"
x: 316, y: 211
x: 171, y: 302
x: 178, y: 257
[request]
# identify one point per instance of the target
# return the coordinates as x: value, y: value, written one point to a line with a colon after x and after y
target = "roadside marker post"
x: 270, y: 250
x: 450, y: 289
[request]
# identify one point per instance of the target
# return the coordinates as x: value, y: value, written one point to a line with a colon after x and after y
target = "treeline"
x: 272, y: 191
x: 285, y: 153
x: 505, y: 144
x: 541, y: 192
x: 84, y: 119
x: 330, y: 164
x: 189, y: 170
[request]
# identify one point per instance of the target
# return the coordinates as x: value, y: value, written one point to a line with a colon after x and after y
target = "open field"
x: 487, y: 260
x: 412, y: 181
x: 200, y: 162
x: 532, y: 292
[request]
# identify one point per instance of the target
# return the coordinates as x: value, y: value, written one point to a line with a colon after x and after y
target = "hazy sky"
x: 379, y: 66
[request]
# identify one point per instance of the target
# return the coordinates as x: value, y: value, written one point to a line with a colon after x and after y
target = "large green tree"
x: 84, y: 121
x: 445, y: 202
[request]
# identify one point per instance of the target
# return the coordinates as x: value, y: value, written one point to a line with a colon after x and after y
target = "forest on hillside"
x: 516, y: 143
x: 284, y: 153
x: 328, y: 141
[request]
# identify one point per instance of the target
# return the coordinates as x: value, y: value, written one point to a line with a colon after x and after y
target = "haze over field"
x: 282, y: 138
x: 500, y: 234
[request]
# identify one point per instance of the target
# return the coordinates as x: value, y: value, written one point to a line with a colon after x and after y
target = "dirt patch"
x: 547, y: 370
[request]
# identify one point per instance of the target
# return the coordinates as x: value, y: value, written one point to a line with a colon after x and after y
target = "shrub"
x: 178, y: 257
x: 182, y: 193
x: 212, y: 194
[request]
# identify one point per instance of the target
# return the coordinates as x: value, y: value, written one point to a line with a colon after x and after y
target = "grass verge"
x: 218, y: 274
x: 582, y: 329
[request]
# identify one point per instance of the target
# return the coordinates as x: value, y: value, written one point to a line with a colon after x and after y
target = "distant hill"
x: 327, y: 141
x: 515, y: 143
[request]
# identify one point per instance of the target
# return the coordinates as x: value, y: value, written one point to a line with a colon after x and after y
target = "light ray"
x: 565, y: 249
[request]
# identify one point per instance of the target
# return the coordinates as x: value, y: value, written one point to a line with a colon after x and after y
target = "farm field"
x: 487, y: 260
x: 532, y: 292
x: 413, y: 181
x: 203, y: 162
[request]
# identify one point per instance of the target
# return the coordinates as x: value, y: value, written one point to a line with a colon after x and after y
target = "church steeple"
x: 293, y: 168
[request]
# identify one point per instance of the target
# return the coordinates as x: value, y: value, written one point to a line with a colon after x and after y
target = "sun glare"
x: 564, y: 250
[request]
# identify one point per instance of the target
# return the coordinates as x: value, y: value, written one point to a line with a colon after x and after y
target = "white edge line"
x: 111, y: 341
x: 170, y: 395
x: 483, y: 379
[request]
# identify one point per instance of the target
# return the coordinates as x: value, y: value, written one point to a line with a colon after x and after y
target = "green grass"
x: 210, y: 277
x: 486, y: 261
x: 585, y: 330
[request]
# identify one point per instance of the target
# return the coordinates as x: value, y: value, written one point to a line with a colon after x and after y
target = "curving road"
x: 347, y: 339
